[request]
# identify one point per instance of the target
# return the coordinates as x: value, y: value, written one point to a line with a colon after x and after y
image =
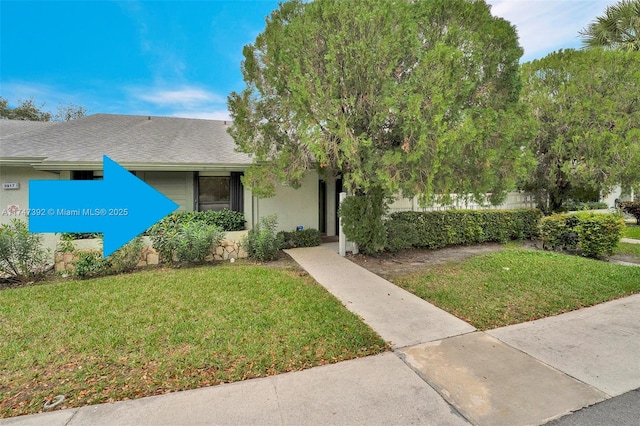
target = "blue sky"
x: 182, y: 58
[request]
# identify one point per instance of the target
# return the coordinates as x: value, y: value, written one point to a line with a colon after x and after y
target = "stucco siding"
x: 294, y: 207
x: 178, y: 186
x: 20, y: 197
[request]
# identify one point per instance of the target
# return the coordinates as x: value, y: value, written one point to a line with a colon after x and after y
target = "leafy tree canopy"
x: 413, y: 96
x: 587, y: 104
x: 28, y: 110
x: 617, y: 29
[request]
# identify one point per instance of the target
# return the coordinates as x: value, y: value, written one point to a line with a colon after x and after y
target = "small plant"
x: 22, y: 257
x: 91, y: 264
x: 126, y: 258
x: 303, y: 238
x: 261, y: 242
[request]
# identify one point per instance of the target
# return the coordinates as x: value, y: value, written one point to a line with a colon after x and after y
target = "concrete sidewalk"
x: 442, y: 371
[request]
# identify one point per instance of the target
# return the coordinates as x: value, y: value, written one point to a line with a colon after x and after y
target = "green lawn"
x: 158, y: 331
x: 632, y: 231
x: 629, y: 249
x: 518, y: 285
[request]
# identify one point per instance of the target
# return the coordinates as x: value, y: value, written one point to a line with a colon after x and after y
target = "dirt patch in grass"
x: 390, y: 265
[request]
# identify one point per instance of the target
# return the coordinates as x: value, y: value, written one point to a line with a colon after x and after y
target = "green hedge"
x: 594, y: 235
x: 439, y: 229
x: 227, y: 220
x: 303, y: 238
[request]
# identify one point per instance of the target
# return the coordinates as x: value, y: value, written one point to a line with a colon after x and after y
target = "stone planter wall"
x: 229, y: 248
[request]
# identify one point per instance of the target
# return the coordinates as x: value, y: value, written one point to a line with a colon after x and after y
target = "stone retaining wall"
x: 229, y: 248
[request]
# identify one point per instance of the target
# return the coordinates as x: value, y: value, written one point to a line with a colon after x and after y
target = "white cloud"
x: 182, y: 96
x: 205, y: 115
x: 547, y: 25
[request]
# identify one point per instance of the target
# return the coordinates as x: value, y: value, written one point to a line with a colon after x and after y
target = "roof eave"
x: 166, y: 167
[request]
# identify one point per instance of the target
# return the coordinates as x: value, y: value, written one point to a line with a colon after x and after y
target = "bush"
x: 362, y: 221
x: 632, y: 208
x: 557, y: 232
x: 570, y: 205
x: 194, y: 242
x: 439, y: 229
x: 226, y: 220
x: 262, y: 243
x: 91, y: 264
x: 22, y: 257
x: 303, y: 238
x: 184, y: 242
x: 126, y: 258
x: 598, y: 234
x: 401, y: 235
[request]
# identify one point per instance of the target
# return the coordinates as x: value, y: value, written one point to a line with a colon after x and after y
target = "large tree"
x: 26, y: 110
x: 618, y: 28
x: 587, y: 104
x: 417, y: 97
x: 29, y: 111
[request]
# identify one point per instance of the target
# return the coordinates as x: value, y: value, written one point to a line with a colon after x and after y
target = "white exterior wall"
x: 294, y: 207
x: 515, y: 200
x: 616, y: 194
x: 20, y: 197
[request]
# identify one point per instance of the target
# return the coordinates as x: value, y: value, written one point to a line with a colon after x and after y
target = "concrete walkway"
x: 441, y: 372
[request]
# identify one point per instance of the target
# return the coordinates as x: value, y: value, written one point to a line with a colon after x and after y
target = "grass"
x: 160, y: 331
x: 629, y: 249
x: 632, y: 231
x: 518, y: 285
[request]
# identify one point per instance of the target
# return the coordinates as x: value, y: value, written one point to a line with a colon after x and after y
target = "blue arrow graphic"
x: 121, y: 206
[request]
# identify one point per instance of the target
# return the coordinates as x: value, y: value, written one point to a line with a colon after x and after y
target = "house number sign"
x: 10, y: 185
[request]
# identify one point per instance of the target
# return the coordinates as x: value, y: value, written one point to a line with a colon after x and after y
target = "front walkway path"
x: 397, y: 315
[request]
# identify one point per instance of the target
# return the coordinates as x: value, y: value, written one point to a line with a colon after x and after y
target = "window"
x: 214, y: 192
x: 82, y: 175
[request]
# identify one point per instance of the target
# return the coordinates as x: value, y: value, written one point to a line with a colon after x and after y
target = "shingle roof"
x: 124, y: 138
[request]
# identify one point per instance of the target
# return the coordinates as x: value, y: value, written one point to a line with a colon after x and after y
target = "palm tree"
x: 618, y: 29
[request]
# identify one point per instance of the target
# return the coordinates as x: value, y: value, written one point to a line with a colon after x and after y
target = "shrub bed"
x: 594, y: 235
x: 226, y: 220
x: 22, y: 258
x: 303, y: 238
x: 439, y: 229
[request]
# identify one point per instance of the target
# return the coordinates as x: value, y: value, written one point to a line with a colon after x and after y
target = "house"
x: 191, y: 161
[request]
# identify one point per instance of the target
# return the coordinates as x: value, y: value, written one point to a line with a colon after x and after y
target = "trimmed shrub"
x: 226, y: 220
x: 571, y: 205
x: 362, y: 221
x: 304, y: 238
x: 262, y: 243
x: 401, y: 235
x: 632, y: 208
x: 439, y: 229
x: 22, y: 257
x: 557, y: 232
x: 595, y: 235
x: 598, y: 234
